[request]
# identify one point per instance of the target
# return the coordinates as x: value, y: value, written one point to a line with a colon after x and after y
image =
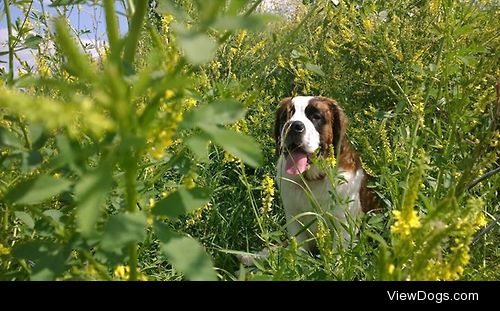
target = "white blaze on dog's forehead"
x: 300, y: 103
x: 310, y: 140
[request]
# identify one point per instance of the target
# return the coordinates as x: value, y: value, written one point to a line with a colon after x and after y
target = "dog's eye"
x: 316, y: 116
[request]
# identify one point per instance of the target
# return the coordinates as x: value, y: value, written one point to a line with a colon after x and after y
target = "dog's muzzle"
x: 294, y: 135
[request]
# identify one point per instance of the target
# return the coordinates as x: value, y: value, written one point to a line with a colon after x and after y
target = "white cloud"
x: 24, y: 55
x: 95, y: 48
x: 3, y: 38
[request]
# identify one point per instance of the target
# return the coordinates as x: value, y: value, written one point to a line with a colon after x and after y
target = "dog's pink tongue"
x: 296, y: 163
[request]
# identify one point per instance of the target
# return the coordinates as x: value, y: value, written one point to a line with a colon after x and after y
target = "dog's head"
x: 304, y: 125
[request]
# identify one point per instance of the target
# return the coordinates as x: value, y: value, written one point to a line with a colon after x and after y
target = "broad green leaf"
x: 219, y: 112
x: 169, y: 7
x: 235, y: 6
x: 182, y: 201
x: 26, y: 218
x: 53, y: 213
x: 31, y: 159
x: 241, y: 146
x: 199, y: 146
x: 252, y: 22
x: 7, y: 138
x: 65, y: 150
x: 33, y: 41
x: 32, y: 250
x: 122, y: 229
x: 185, y: 254
x: 37, y: 135
x: 198, y: 48
x: 90, y: 194
x: 315, y: 68
x: 48, y: 259
x: 50, y: 266
x: 37, y: 190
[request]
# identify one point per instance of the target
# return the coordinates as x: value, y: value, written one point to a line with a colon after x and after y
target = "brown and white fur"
x: 308, y: 125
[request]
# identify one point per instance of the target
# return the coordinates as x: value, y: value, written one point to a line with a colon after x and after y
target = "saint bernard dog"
x: 306, y: 127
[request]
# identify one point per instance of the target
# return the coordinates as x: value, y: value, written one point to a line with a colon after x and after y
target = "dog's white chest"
x: 303, y: 199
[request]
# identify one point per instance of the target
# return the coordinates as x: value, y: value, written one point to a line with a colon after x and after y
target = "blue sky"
x: 83, y: 17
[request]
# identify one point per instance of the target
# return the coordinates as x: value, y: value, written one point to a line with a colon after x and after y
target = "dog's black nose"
x: 297, y: 127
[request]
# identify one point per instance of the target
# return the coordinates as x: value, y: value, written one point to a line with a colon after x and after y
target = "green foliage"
x: 185, y: 253
x: 104, y: 121
x: 148, y: 163
x: 36, y: 190
x: 182, y: 202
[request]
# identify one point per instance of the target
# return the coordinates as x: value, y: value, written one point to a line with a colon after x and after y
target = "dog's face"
x: 304, y: 125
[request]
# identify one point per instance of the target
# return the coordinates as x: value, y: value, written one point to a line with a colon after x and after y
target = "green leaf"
x: 241, y: 146
x: 198, y: 48
x: 31, y: 159
x: 37, y: 190
x: 53, y: 213
x: 123, y: 229
x: 65, y: 150
x: 32, y: 41
x: 37, y: 135
x: 169, y: 7
x: 199, y: 146
x: 66, y: 2
x: 235, y: 6
x: 91, y: 193
x: 26, y: 218
x: 185, y: 254
x: 219, y: 112
x: 252, y: 22
x: 77, y: 62
x: 7, y: 138
x: 48, y: 259
x: 182, y: 201
x: 315, y: 68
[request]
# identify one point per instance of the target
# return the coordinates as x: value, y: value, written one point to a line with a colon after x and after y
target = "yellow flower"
x: 190, y: 102
x: 162, y: 136
x: 281, y: 61
x: 42, y: 67
x: 385, y: 142
x: 4, y: 250
x: 368, y: 24
x: 329, y: 46
x: 481, y: 221
x: 434, y: 6
x: 198, y: 214
x: 150, y: 220
x: 189, y: 180
x: 169, y: 94
x: 166, y: 20
x: 229, y: 158
x: 267, y: 194
x: 390, y: 268
x: 122, y: 272
x: 405, y: 222
x: 367, y: 169
x: 258, y: 46
x: 330, y: 159
x: 324, y: 241
x: 241, y: 36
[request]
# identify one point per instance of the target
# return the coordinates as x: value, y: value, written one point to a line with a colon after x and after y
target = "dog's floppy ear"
x: 339, y: 124
x: 280, y: 120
